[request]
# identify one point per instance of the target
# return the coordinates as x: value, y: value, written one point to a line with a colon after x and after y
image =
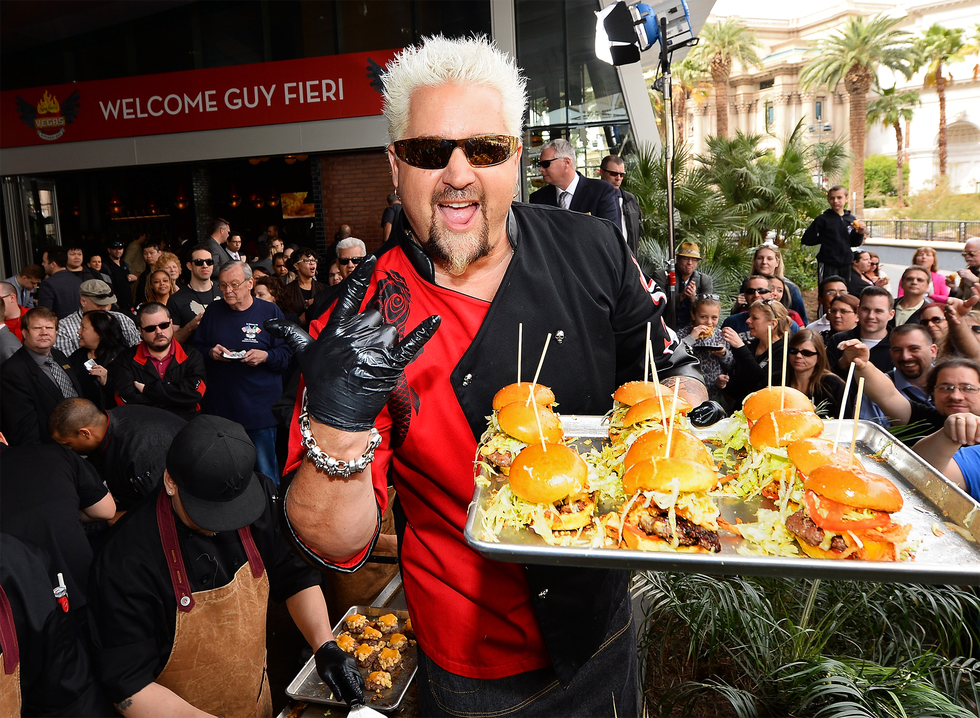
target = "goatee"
x: 455, y: 251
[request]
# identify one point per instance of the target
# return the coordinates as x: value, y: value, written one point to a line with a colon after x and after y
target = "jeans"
x: 265, y: 451
x: 605, y: 686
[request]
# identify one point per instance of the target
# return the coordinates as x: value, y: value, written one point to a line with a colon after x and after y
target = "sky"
x: 770, y: 9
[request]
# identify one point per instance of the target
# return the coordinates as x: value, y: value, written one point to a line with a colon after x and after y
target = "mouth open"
x: 458, y: 216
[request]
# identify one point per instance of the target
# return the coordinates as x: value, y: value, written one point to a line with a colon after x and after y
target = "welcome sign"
x: 270, y: 93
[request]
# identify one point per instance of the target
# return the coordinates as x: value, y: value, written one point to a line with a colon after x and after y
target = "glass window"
x: 770, y: 115
x: 818, y: 110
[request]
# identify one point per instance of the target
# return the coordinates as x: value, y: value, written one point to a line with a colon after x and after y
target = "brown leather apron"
x: 218, y: 661
x: 10, y: 700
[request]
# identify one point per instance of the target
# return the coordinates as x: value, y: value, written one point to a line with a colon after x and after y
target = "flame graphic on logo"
x: 48, y: 104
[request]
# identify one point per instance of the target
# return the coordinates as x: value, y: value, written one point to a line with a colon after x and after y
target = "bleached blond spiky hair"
x: 457, y: 61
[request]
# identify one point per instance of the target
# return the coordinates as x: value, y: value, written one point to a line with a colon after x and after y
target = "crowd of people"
x: 194, y: 377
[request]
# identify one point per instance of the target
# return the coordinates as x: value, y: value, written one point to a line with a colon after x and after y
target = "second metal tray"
x: 931, y: 502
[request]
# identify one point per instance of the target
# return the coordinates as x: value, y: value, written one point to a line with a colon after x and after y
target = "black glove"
x: 707, y: 413
x: 339, y: 672
x: 356, y: 361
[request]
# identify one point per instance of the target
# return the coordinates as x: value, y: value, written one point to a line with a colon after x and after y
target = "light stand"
x: 669, y: 166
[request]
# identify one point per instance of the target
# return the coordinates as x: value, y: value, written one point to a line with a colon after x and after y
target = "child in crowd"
x: 703, y: 337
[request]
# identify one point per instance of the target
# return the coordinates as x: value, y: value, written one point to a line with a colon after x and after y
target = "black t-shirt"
x: 42, y: 488
x: 133, y: 611
x: 180, y: 303
x: 926, y: 414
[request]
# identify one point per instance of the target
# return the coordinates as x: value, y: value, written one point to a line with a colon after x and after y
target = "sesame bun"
x: 658, y: 475
x: 653, y: 445
x: 634, y: 392
x: 766, y: 401
x: 859, y: 489
x: 519, y: 392
x: 649, y: 409
x: 808, y: 454
x: 543, y: 476
x: 793, y: 424
x: 517, y: 419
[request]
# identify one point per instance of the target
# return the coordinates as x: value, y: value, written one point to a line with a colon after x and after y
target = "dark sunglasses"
x: 757, y: 291
x: 344, y: 261
x: 203, y: 262
x: 715, y: 297
x: 153, y: 327
x: 615, y: 174
x: 434, y: 153
x: 805, y: 352
x: 547, y: 163
x: 932, y: 320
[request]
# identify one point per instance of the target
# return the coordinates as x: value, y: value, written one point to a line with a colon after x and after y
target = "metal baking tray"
x: 931, y: 500
x: 307, y: 686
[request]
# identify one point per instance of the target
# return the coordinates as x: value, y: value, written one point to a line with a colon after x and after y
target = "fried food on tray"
x: 389, y: 658
x: 347, y: 643
x: 371, y: 634
x: 378, y: 681
x: 364, y: 655
x: 387, y: 623
x: 355, y: 622
x: 398, y: 641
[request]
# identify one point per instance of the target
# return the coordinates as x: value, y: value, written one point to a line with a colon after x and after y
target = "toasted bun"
x: 658, y: 474
x: 766, y: 401
x: 875, y: 550
x: 793, y: 424
x: 634, y: 538
x: 519, y: 392
x: 808, y: 454
x: 570, y: 522
x: 855, y: 488
x: 653, y: 445
x: 543, y: 477
x: 816, y: 551
x: 634, y: 392
x: 650, y: 409
x: 517, y: 419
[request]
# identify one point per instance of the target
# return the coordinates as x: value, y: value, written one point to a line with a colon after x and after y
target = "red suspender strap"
x: 171, y: 548
x: 8, y: 636
x: 254, y: 558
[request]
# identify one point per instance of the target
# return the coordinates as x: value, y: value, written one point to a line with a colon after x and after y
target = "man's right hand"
x: 356, y: 361
x: 963, y: 429
x: 218, y: 353
x: 854, y: 351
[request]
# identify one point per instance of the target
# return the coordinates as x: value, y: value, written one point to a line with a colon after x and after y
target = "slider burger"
x: 765, y: 401
x: 781, y: 428
x: 668, y: 509
x: 808, y: 454
x: 653, y: 445
x: 519, y: 392
x: 512, y: 428
x: 556, y: 479
x: 630, y: 394
x: 644, y: 416
x: 847, y: 514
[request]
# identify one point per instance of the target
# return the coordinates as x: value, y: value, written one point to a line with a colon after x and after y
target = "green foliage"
x: 800, y: 264
x: 728, y: 40
x: 939, y: 203
x: 879, y: 176
x: 939, y: 46
x: 789, y: 647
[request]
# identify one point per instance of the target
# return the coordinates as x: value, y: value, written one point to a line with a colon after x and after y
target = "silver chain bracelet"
x: 332, y: 466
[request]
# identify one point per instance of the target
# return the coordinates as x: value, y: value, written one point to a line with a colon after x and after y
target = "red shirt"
x: 14, y: 324
x: 472, y: 616
x: 159, y: 364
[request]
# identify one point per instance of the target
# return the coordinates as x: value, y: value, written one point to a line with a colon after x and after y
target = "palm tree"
x: 853, y: 55
x: 974, y: 49
x: 940, y: 46
x: 890, y: 108
x: 690, y: 79
x: 722, y: 42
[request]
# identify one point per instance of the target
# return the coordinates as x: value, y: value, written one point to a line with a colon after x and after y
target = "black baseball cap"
x: 116, y: 243
x: 212, y: 461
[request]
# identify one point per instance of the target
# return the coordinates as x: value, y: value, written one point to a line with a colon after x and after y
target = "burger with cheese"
x: 512, y: 428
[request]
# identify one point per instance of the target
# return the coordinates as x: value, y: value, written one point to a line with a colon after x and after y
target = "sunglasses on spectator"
x: 970, y: 254
x: 344, y: 261
x: 805, y: 352
x: 932, y: 320
x: 434, y: 153
x: 964, y: 388
x: 608, y: 172
x: 547, y: 163
x: 715, y: 297
x: 154, y: 327
x: 757, y: 291
x: 203, y: 262
x: 834, y: 292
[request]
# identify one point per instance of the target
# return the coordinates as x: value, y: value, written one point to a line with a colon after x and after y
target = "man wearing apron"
x: 182, y: 588
x: 45, y: 668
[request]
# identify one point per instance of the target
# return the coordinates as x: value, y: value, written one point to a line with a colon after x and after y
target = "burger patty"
x: 799, y: 524
x: 688, y: 533
x: 573, y: 507
x: 501, y: 458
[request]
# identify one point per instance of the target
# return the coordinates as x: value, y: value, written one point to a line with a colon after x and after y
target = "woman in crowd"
x: 952, y: 344
x: 932, y: 317
x: 170, y: 263
x: 703, y: 338
x: 99, y: 339
x: 860, y: 273
x: 334, y: 275
x: 160, y: 287
x: 270, y: 289
x: 843, y: 315
x: 779, y: 288
x: 808, y: 371
x: 93, y: 269
x: 768, y: 261
x: 926, y: 257
x: 296, y: 296
x: 876, y: 273
x: 751, y: 370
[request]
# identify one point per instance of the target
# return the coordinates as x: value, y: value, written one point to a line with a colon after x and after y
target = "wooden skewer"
x: 520, y: 348
x: 656, y: 380
x: 646, y: 355
x: 843, y: 404
x: 782, y: 393
x: 769, y: 364
x: 537, y: 420
x: 544, y: 352
x: 857, y: 418
x: 673, y: 417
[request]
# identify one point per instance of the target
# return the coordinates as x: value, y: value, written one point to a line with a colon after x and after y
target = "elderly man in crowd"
x: 188, y: 304
x: 25, y: 282
x: 351, y: 251
x: 612, y: 169
x: 94, y: 296
x: 9, y: 343
x: 34, y: 380
x: 970, y: 274
x: 244, y: 362
x: 455, y: 110
x: 829, y: 289
x: 159, y: 371
x: 59, y: 290
x: 568, y: 189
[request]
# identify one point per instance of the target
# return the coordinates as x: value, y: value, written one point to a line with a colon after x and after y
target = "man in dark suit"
x: 612, y: 169
x: 220, y: 231
x: 34, y: 380
x: 59, y: 290
x: 569, y: 189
